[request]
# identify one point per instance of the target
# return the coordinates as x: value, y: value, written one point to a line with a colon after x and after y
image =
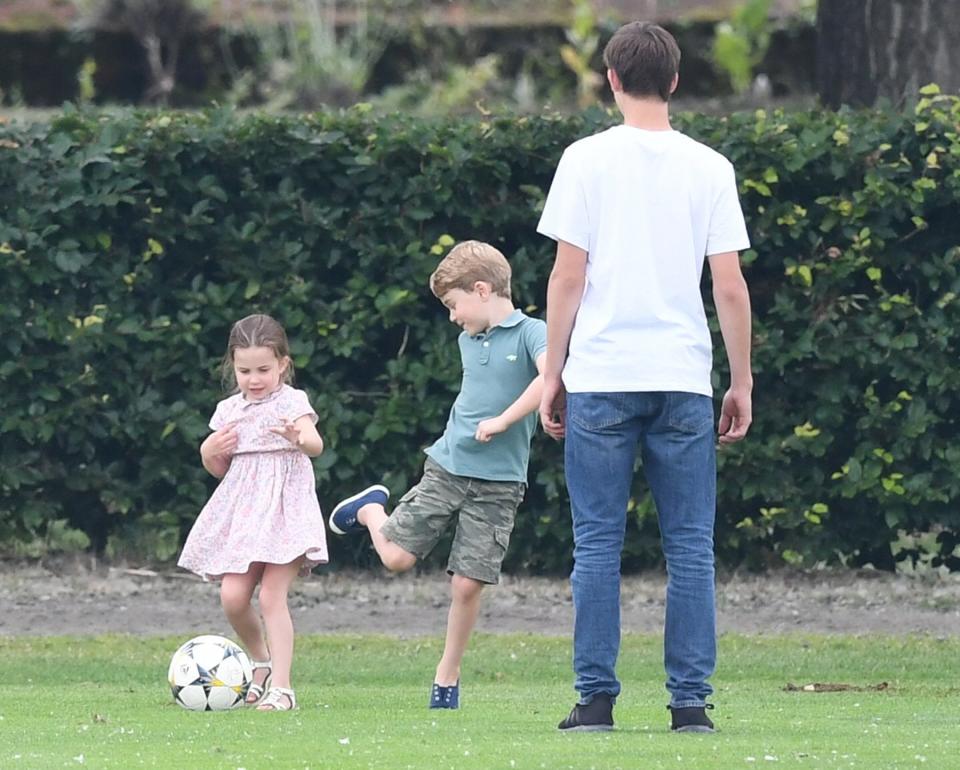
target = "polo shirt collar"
x: 511, y: 320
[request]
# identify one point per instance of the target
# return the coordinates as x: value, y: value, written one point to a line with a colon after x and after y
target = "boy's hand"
x: 288, y: 430
x: 553, y: 408
x: 736, y: 414
x: 487, y: 429
x: 223, y: 443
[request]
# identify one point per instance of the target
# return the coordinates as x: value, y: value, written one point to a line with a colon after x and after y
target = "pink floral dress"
x: 265, y: 509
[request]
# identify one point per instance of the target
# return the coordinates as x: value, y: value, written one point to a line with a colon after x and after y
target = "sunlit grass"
x: 103, y: 703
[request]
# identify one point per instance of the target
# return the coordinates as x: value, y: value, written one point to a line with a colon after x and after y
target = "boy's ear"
x: 675, y: 83
x: 482, y: 288
x: 614, y: 79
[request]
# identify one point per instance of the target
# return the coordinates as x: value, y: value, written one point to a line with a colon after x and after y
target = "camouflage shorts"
x: 486, y: 511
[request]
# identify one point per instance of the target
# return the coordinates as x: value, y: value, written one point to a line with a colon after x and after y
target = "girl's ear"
x: 284, y: 364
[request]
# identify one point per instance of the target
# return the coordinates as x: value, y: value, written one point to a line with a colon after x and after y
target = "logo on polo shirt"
x: 512, y: 357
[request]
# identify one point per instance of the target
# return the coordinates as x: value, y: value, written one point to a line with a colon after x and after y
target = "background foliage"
x: 129, y: 243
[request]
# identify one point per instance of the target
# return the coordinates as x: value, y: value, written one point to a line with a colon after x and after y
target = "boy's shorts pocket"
x: 483, y: 531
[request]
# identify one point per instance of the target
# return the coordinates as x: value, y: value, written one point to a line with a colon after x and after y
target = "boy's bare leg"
x: 464, y: 609
x: 394, y: 558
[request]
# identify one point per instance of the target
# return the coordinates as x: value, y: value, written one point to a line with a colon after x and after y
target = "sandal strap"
x: 274, y: 702
x: 257, y: 689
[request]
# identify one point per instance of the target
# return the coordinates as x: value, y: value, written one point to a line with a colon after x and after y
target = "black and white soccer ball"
x: 210, y: 673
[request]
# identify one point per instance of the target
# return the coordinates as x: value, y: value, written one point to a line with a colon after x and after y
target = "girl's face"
x: 258, y: 371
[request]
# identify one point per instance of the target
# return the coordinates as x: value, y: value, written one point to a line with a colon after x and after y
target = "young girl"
x: 263, y: 523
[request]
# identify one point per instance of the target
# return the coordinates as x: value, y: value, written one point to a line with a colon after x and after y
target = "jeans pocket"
x: 689, y: 412
x: 595, y: 411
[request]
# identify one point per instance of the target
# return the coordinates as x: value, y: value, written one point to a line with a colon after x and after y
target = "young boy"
x: 478, y: 467
x: 635, y: 211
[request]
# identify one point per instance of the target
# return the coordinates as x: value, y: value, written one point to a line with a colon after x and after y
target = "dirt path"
x: 80, y: 601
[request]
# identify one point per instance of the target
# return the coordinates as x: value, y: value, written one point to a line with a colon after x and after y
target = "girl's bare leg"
x: 274, y: 587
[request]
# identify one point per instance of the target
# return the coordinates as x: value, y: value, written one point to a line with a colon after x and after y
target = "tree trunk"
x: 872, y: 49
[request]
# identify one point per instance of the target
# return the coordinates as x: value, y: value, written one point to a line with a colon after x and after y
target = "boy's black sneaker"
x: 692, y: 719
x: 595, y: 716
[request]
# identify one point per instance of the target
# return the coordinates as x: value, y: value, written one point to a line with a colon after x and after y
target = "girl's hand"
x: 288, y: 430
x: 487, y: 429
x: 223, y: 443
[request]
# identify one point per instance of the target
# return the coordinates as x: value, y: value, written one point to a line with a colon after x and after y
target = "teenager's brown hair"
x: 645, y: 57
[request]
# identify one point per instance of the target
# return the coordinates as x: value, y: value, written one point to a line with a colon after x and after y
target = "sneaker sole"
x: 694, y: 729
x: 586, y: 729
x: 342, y: 503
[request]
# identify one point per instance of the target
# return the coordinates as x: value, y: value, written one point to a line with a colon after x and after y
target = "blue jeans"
x: 675, y: 435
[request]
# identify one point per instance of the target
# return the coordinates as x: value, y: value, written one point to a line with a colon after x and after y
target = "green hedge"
x: 128, y: 244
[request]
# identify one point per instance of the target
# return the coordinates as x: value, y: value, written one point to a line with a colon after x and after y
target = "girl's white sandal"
x: 258, y: 690
x: 278, y: 699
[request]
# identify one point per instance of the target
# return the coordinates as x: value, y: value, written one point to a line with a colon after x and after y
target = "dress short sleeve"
x: 219, y: 419
x: 298, y: 405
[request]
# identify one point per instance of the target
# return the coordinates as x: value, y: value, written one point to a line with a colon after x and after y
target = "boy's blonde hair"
x: 469, y: 262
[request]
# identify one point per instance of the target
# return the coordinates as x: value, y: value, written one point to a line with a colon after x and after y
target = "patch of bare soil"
x: 89, y: 599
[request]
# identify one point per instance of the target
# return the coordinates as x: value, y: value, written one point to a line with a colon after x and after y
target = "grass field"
x: 104, y: 703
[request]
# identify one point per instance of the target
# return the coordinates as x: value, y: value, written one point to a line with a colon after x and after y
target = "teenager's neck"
x: 648, y: 114
x: 500, y: 312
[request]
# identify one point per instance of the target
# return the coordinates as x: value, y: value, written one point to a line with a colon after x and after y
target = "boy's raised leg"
x: 366, y: 510
x: 394, y: 558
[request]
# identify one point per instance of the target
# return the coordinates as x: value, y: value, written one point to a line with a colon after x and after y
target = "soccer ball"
x: 209, y: 673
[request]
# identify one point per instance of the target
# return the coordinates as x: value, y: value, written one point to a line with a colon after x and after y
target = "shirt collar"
x: 511, y: 320
x: 265, y: 400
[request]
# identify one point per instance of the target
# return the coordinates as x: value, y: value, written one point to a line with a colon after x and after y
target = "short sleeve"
x: 565, y: 216
x: 535, y: 338
x: 297, y: 406
x: 219, y: 419
x: 728, y: 231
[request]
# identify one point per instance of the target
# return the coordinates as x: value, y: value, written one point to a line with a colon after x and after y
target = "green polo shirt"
x: 498, y: 365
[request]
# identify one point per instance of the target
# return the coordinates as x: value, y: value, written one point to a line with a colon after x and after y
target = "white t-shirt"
x: 647, y: 207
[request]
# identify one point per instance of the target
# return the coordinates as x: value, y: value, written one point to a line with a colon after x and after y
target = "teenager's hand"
x: 736, y: 414
x: 223, y: 443
x: 289, y: 430
x: 487, y: 429
x: 553, y: 408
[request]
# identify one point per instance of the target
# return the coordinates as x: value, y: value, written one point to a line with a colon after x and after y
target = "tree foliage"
x: 129, y: 243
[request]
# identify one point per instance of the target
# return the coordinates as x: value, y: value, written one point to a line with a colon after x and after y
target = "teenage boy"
x: 477, y: 470
x: 635, y: 211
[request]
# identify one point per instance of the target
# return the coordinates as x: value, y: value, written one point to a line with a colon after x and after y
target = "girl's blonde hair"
x: 469, y: 262
x: 256, y: 331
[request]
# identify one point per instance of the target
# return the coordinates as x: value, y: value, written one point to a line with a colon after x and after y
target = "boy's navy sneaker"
x: 445, y: 697
x: 692, y: 719
x: 595, y: 716
x: 343, y: 520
